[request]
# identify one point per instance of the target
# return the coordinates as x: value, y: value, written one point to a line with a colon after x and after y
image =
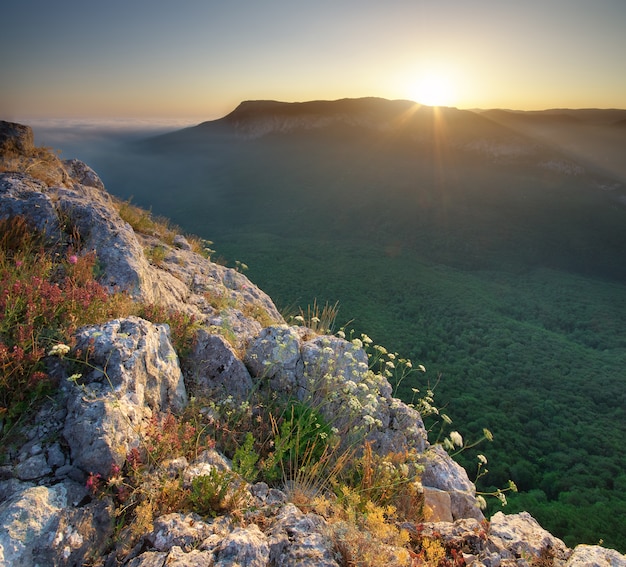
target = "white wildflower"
x: 482, y: 503
x: 456, y: 438
x: 357, y: 343
x: 59, y: 350
x: 421, y: 367
x: 366, y: 339
x: 369, y: 420
x: 482, y: 459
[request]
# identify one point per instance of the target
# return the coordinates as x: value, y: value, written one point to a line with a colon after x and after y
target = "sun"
x: 433, y: 89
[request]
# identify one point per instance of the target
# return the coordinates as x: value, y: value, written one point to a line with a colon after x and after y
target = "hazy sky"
x: 197, y: 59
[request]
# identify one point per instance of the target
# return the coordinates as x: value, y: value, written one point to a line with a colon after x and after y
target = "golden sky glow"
x: 198, y: 59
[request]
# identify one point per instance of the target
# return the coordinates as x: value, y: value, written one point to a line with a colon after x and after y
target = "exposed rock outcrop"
x: 129, y: 372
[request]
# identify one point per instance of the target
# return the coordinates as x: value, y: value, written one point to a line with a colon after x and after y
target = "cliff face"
x: 72, y: 474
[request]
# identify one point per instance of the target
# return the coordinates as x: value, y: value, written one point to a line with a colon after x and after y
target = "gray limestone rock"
x: 214, y: 370
x: 186, y: 531
x: 520, y: 535
x: 442, y: 472
x: 356, y: 402
x: 243, y: 546
x: 148, y: 559
x: 90, y: 211
x: 45, y: 526
x: 28, y: 521
x: 14, y: 136
x: 595, y: 556
x: 299, y: 539
x: 21, y: 195
x: 82, y: 174
x: 194, y: 558
x: 132, y: 370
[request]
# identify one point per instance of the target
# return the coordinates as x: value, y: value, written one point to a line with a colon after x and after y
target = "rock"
x: 467, y: 535
x: 41, y: 525
x: 82, y: 174
x: 16, y: 137
x: 82, y: 533
x: 520, y: 535
x: 441, y: 472
x: 300, y: 539
x: 33, y: 468
x: 194, y: 558
x: 148, y: 559
x: 437, y: 505
x: 90, y: 211
x: 243, y: 546
x: 21, y: 195
x: 214, y: 369
x: 18, y: 153
x: 355, y: 400
x: 55, y: 456
x: 275, y: 355
x: 132, y: 369
x: 595, y: 556
x: 27, y: 520
x: 186, y: 531
x: 181, y: 242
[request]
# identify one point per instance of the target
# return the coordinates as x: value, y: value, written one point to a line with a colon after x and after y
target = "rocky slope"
x: 132, y: 378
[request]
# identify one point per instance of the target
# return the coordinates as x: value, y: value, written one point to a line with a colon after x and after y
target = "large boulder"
x: 53, y: 526
x: 130, y: 370
x: 16, y: 138
x: 21, y: 195
x: 214, y: 369
x: 595, y: 556
x: 520, y: 535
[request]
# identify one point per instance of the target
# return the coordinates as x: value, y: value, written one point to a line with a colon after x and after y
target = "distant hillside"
x: 441, y: 180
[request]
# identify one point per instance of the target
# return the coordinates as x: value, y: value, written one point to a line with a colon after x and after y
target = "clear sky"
x: 197, y: 59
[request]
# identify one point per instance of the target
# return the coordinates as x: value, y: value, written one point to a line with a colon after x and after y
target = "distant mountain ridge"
x: 570, y: 141
x: 256, y: 118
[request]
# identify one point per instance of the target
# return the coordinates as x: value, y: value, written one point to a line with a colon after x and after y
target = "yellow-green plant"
x: 320, y: 319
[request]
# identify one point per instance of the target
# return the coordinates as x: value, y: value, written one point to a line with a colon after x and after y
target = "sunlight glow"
x: 433, y: 89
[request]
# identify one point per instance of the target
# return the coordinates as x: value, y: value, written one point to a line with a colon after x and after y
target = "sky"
x: 196, y: 60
